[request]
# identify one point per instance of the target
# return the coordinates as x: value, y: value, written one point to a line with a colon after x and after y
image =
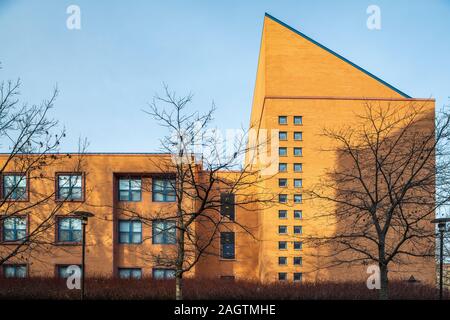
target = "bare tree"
x: 204, y: 189
x: 29, y: 140
x: 381, y: 195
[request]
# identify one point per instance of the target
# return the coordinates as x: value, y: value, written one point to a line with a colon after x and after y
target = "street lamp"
x: 442, y: 223
x: 84, y: 216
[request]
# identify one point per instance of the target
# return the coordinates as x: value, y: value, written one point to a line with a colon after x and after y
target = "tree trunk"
x: 179, y: 267
x: 384, y: 290
x: 179, y: 286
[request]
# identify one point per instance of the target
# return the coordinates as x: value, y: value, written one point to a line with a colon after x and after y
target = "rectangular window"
x: 227, y: 245
x: 298, y: 120
x: 70, y: 187
x: 282, y: 198
x: 282, y: 214
x: 65, y: 271
x: 14, y: 229
x: 282, y: 183
x: 282, y: 229
x: 298, y: 183
x: 282, y: 276
x: 298, y: 198
x: 15, y: 270
x: 163, y: 274
x: 298, y: 214
x: 164, y: 190
x: 227, y: 205
x: 130, y: 273
x: 130, y: 189
x: 298, y: 276
x: 282, y: 261
x: 14, y: 187
x: 298, y: 245
x: 298, y: 152
x: 298, y: 230
x: 282, y: 245
x: 282, y: 167
x: 282, y: 120
x: 130, y: 231
x: 282, y: 151
x: 164, y: 232
x: 298, y: 167
x: 298, y: 136
x: 298, y: 261
x: 69, y: 230
x: 282, y: 136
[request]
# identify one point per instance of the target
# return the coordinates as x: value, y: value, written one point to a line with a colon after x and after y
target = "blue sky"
x: 125, y: 50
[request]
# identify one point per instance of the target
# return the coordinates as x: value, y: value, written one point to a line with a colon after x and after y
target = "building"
x: 301, y: 87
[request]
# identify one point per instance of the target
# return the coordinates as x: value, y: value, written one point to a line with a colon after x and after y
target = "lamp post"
x: 442, y: 223
x: 84, y: 216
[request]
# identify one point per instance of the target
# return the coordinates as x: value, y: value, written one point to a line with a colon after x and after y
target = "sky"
x: 109, y: 69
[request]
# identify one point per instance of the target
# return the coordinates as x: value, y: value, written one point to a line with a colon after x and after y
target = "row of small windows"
x: 283, y: 120
x: 283, y: 198
x: 283, y: 245
x: 283, y: 151
x: 283, y: 136
x: 163, y: 232
x: 283, y: 214
x: 284, y: 229
x: 297, y: 276
x: 283, y: 183
x: 296, y: 261
x: 283, y: 167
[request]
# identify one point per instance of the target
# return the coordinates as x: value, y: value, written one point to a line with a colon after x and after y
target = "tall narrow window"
x: 164, y: 232
x: 130, y: 231
x: 14, y: 187
x: 69, y: 230
x: 130, y: 189
x: 164, y: 190
x: 227, y: 205
x: 14, y: 229
x: 227, y: 245
x: 70, y: 187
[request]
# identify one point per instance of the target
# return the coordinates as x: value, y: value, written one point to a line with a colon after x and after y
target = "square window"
x: 298, y: 198
x: 298, y: 152
x: 70, y: 187
x: 14, y: 229
x: 298, y: 167
x: 130, y: 231
x: 282, y: 198
x: 282, y: 245
x: 130, y: 273
x: 130, y: 189
x: 282, y: 136
x: 282, y: 183
x: 14, y: 187
x: 69, y: 230
x: 297, y: 276
x: 298, y: 245
x: 164, y: 232
x: 282, y: 167
x: 298, y: 183
x: 163, y: 190
x: 282, y: 151
x: 298, y: 135
x: 298, y: 230
x: 282, y: 214
x: 298, y: 214
x: 282, y: 120
x: 282, y: 229
x: 282, y: 276
x: 298, y: 120
x: 282, y: 261
x: 298, y: 261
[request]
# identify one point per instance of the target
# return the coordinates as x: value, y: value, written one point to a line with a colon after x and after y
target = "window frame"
x: 284, y: 276
x: 165, y: 270
x: 164, y: 232
x: 284, y: 165
x: 282, y: 195
x: 282, y: 117
x: 296, y: 180
x: 280, y: 185
x: 228, y: 205
x: 286, y: 245
x: 298, y: 149
x: 284, y: 134
x: 301, y: 245
x: 300, y: 133
x: 26, y: 198
x: 58, y: 229
x: 280, y: 229
x: 297, y: 117
x: 222, y: 249
x: 297, y: 227
x: 279, y: 152
x: 164, y: 193
x: 301, y: 214
x: 300, y: 259
x: 297, y: 273
x: 297, y: 164
x: 129, y: 190
x: 130, y: 269
x: 285, y: 214
x: 2, y: 229
x: 70, y: 174
x: 130, y: 231
x: 15, y: 265
x: 296, y: 196
x: 285, y: 259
